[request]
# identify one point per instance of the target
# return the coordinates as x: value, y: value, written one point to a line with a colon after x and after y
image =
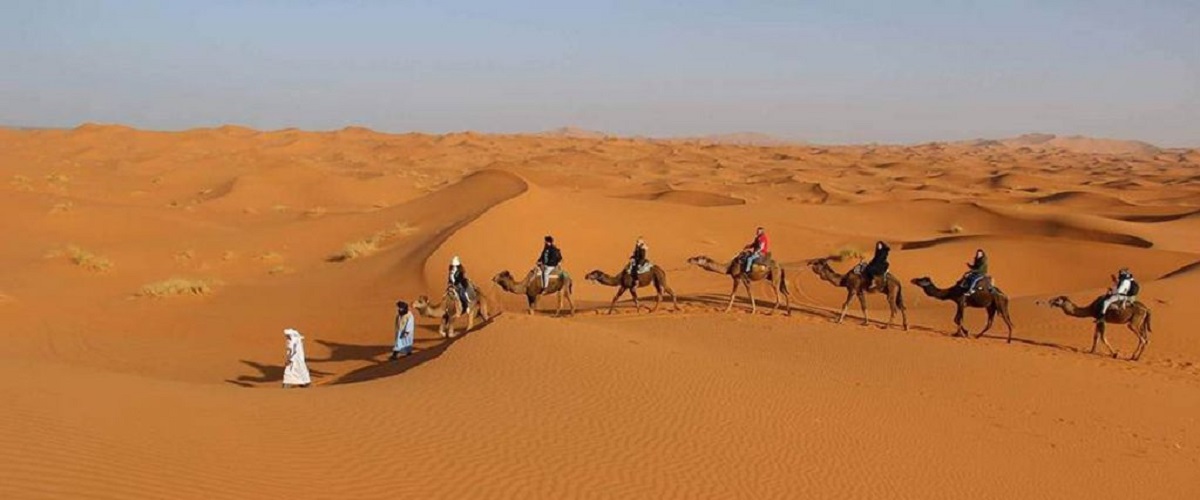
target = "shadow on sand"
x: 424, y: 350
x: 268, y: 374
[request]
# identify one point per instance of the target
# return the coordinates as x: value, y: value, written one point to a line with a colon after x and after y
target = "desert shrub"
x: 178, y: 286
x: 370, y: 245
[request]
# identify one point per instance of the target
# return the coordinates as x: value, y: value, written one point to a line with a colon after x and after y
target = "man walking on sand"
x: 404, y: 331
x: 295, y: 371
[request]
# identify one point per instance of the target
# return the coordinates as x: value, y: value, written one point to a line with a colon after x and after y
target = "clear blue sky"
x: 853, y: 71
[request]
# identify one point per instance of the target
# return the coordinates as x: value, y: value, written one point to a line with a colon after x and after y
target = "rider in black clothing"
x: 548, y: 260
x: 879, y: 264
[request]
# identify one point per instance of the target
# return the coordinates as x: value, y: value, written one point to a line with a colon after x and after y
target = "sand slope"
x: 114, y: 394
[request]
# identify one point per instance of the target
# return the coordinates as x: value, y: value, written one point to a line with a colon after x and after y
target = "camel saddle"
x: 876, y: 284
x: 985, y: 282
x: 764, y: 260
x: 645, y: 267
x: 557, y: 273
x: 1126, y: 301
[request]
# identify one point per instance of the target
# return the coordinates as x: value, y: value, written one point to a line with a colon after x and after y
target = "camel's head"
x: 421, y: 303
x: 818, y: 264
x: 922, y: 281
x: 594, y: 275
x: 503, y: 276
x: 1059, y: 301
x: 700, y: 260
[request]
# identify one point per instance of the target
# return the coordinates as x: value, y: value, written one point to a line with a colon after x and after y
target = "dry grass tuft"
x: 955, y: 229
x: 270, y: 257
x: 62, y: 207
x: 185, y: 256
x: 849, y: 252
x: 281, y: 269
x: 83, y: 258
x: 21, y: 183
x: 178, y: 286
x: 57, y: 178
x: 372, y: 244
x: 315, y: 212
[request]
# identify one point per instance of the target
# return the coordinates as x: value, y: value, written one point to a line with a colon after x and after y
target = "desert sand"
x: 116, y: 384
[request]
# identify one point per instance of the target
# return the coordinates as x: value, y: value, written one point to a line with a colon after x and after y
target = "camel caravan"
x: 754, y: 263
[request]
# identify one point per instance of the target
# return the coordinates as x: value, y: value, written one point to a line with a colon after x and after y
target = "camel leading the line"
x: 451, y: 309
x: 531, y: 288
x: 990, y: 298
x: 772, y: 273
x: 856, y: 286
x: 623, y: 281
x: 1136, y: 316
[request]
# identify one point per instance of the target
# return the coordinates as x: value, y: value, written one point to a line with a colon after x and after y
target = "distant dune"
x: 1075, y: 144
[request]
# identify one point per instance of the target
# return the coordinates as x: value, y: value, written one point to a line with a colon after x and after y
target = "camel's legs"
x: 637, y: 306
x: 891, y: 298
x: 845, y: 305
x: 657, y: 296
x: 571, y: 302
x: 991, y: 315
x: 613, y: 305
x: 558, y: 310
x: 787, y: 302
x: 775, y: 290
x: 958, y: 319
x: 674, y: 300
x: 1137, y: 351
x: 750, y: 293
x: 862, y: 303
x: 732, y: 294
x: 1100, y: 328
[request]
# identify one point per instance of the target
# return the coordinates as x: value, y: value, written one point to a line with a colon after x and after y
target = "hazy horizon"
x: 830, y: 73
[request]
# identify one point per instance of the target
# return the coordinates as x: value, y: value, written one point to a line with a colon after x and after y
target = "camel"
x: 531, y: 288
x: 990, y: 298
x: 856, y: 286
x: 772, y: 272
x: 623, y: 281
x: 1136, y: 316
x: 451, y: 309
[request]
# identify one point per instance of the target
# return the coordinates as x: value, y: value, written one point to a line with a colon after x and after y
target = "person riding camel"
x: 757, y: 249
x: 548, y: 260
x: 638, y: 258
x: 878, y: 266
x: 458, y: 281
x: 1124, y: 289
x: 978, y: 270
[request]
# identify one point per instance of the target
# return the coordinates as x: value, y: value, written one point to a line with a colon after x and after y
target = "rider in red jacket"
x: 757, y: 248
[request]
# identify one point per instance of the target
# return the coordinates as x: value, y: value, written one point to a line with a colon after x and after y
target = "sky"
x: 828, y: 72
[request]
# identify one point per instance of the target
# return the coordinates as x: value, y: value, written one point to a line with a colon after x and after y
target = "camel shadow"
x: 425, y: 349
x: 267, y: 374
x: 382, y: 367
x: 742, y: 304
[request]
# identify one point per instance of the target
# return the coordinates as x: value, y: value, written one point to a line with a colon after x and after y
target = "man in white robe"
x: 295, y: 371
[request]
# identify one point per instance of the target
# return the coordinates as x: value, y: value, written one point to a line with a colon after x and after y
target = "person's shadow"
x: 268, y: 374
x: 424, y: 350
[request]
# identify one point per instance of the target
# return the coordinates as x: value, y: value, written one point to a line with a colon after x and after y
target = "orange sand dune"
x: 114, y: 393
